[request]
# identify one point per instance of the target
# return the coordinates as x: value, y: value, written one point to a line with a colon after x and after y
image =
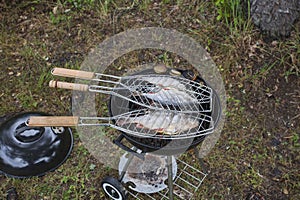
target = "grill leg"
x: 170, y: 177
x: 126, y: 166
x: 204, y: 168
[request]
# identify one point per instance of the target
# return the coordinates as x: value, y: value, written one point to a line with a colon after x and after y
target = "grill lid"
x: 32, y: 151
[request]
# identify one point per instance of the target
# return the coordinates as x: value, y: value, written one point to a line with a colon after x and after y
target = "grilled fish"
x: 168, y: 91
x: 171, y: 96
x: 162, y: 122
x: 164, y: 82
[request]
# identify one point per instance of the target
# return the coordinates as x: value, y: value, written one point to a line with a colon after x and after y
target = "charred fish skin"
x: 146, y: 87
x: 152, y: 120
x: 165, y: 90
x: 165, y: 82
x: 171, y: 97
x: 162, y: 122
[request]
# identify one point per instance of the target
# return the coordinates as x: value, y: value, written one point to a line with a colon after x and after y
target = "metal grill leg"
x: 124, y: 170
x: 170, y: 177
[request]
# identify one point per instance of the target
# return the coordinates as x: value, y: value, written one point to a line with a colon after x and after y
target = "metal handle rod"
x: 170, y: 178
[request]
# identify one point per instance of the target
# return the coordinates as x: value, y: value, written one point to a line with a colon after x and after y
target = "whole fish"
x: 167, y: 90
x: 164, y: 81
x: 162, y: 122
x: 171, y: 96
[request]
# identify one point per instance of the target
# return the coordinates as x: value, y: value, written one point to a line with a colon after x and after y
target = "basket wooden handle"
x: 71, y: 73
x: 53, y: 121
x: 69, y: 86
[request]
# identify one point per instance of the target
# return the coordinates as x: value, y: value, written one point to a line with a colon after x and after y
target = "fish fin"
x: 160, y: 130
x: 138, y: 125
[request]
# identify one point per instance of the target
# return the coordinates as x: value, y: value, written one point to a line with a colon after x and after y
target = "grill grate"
x: 186, y: 184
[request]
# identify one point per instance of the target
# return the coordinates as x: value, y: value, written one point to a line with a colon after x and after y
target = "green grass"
x: 234, y: 14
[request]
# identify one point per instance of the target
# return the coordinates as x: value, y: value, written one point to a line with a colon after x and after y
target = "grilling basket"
x: 161, y: 112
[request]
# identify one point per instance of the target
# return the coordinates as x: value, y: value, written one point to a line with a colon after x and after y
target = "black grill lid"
x: 32, y: 151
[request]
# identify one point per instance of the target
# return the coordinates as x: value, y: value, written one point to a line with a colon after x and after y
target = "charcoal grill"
x: 134, y: 101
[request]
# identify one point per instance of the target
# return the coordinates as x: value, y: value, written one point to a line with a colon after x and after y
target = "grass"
x: 62, y: 33
x: 235, y: 13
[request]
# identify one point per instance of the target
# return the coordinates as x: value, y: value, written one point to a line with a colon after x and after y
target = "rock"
x: 160, y: 68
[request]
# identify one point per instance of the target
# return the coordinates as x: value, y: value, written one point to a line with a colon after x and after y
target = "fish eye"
x: 148, y: 88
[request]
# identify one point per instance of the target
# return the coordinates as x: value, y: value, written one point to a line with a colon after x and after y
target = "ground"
x: 257, y: 156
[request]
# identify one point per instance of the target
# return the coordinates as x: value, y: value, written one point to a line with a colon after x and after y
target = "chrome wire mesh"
x: 186, y: 184
x: 158, y: 92
x: 155, y: 105
x: 147, y: 123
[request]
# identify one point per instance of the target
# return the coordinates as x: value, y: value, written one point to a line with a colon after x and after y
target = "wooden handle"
x: 53, y: 121
x: 69, y: 86
x: 72, y: 73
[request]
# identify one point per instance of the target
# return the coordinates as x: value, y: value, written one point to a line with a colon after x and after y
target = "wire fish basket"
x: 142, y: 123
x: 153, y: 91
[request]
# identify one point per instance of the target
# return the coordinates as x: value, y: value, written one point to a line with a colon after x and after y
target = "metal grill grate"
x: 186, y: 184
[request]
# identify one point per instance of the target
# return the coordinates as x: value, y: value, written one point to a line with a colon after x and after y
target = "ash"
x: 152, y: 170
